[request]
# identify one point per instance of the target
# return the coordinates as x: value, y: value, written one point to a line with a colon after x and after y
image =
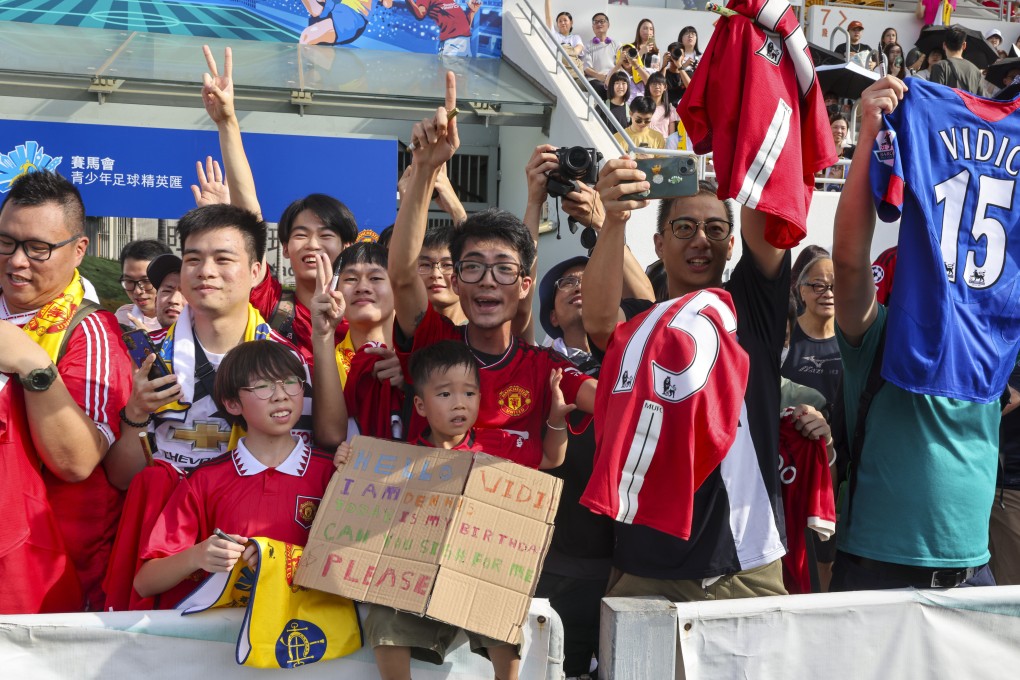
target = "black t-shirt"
x: 761, y: 306
x: 815, y: 363
x: 674, y: 88
x: 854, y: 49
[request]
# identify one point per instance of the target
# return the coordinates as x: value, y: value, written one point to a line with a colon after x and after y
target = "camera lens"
x: 576, y: 161
x: 632, y: 52
x: 677, y: 53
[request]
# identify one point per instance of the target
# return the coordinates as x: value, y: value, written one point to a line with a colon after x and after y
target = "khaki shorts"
x: 428, y: 639
x: 758, y: 582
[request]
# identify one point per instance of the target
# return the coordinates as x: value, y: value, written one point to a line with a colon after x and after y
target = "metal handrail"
x: 584, y: 87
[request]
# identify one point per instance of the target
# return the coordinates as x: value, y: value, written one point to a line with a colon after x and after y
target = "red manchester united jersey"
x: 807, y: 500
x: 515, y: 391
x: 667, y: 410
x: 754, y: 102
x: 239, y: 495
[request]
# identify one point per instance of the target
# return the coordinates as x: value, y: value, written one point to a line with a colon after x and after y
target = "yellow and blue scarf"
x: 284, y: 625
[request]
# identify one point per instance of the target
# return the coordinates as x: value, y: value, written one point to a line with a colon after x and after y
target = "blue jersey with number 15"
x: 950, y: 161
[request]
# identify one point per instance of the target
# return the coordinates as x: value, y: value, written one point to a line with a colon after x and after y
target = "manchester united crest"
x: 304, y: 510
x: 514, y: 400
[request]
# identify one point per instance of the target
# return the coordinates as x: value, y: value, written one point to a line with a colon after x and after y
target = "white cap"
x: 992, y: 32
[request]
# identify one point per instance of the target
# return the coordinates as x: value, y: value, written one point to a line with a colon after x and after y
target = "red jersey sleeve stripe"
x: 97, y: 370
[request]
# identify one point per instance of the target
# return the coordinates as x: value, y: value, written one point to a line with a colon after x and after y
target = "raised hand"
x: 620, y: 177
x: 543, y: 161
x: 218, y: 90
x: 327, y: 306
x: 435, y: 140
x: 212, y: 188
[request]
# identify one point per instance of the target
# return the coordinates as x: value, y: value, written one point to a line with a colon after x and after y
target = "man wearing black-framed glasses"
x: 134, y: 261
x: 493, y: 254
x: 66, y: 375
x: 726, y: 555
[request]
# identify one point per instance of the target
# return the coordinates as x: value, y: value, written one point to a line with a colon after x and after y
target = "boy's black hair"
x: 362, y: 252
x: 496, y: 225
x: 209, y: 217
x: 438, y: 237
x: 43, y: 186
x: 145, y: 250
x: 248, y: 363
x: 440, y: 357
x: 336, y: 216
x: 384, y: 237
x: 643, y: 105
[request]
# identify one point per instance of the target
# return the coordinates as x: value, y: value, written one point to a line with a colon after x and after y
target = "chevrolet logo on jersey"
x: 205, y: 435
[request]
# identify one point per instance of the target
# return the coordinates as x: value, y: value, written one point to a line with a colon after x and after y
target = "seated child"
x: 446, y: 393
x: 270, y: 485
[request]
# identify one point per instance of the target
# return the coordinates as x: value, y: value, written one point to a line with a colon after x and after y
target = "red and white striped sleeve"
x: 97, y: 371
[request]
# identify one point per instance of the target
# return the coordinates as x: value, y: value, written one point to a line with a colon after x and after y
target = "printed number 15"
x: 991, y: 192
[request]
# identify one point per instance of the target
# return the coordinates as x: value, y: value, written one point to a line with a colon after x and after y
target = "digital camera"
x: 575, y: 162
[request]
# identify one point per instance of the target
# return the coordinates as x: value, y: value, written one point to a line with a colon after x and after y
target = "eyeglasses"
x: 40, y: 251
x: 819, y: 288
x: 640, y: 121
x: 142, y: 285
x: 425, y: 268
x: 292, y: 387
x: 600, y: 21
x: 567, y: 282
x: 504, y: 273
x: 716, y: 229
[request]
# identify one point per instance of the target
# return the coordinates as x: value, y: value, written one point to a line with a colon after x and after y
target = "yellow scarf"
x: 48, y: 326
x: 344, y: 354
x: 285, y: 626
x: 178, y: 351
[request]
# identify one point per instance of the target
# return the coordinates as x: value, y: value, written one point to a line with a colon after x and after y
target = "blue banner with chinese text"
x: 148, y: 172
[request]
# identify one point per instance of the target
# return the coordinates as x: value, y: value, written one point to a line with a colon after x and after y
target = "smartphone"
x: 669, y: 176
x: 139, y: 346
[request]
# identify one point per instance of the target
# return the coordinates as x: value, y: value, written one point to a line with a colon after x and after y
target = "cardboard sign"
x: 457, y: 537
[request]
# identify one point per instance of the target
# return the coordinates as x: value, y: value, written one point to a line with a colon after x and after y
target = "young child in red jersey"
x: 447, y: 394
x: 270, y: 485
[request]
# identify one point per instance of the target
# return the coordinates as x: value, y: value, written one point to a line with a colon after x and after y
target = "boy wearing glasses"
x: 134, y: 261
x: 269, y: 485
x: 493, y: 254
x: 736, y: 538
x: 435, y: 267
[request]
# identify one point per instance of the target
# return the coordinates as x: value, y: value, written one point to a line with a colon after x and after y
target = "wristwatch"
x: 39, y: 379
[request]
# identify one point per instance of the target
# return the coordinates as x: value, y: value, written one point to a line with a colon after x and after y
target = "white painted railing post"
x: 637, y: 640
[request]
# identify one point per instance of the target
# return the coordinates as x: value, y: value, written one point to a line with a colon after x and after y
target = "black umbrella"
x: 978, y: 51
x: 1000, y: 69
x: 845, y: 80
x: 821, y: 56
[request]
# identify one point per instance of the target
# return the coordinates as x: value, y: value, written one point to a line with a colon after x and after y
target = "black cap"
x: 547, y: 293
x: 164, y: 264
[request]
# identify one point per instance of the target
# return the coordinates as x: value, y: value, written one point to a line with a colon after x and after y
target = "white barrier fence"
x: 971, y: 633
x: 162, y: 644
